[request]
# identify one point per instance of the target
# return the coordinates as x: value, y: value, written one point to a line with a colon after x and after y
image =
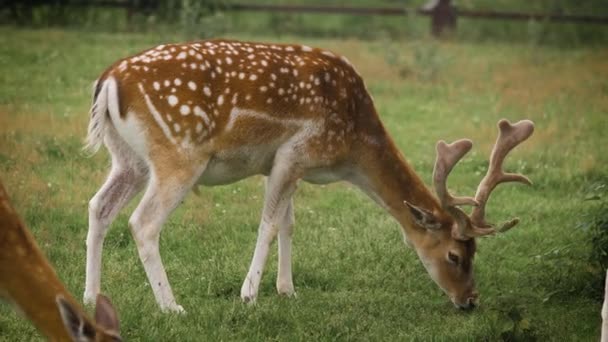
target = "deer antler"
x: 449, y: 154
x: 447, y: 157
x: 509, y: 137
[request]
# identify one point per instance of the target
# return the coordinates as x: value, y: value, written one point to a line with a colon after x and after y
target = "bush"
x: 598, y: 256
x: 596, y: 225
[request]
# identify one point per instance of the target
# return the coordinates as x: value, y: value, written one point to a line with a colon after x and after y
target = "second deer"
x: 31, y: 286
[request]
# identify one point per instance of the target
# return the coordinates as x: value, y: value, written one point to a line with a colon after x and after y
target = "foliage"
x: 200, y: 19
x: 595, y: 223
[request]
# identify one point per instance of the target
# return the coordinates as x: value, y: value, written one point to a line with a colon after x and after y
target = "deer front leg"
x: 280, y: 187
x: 284, y: 276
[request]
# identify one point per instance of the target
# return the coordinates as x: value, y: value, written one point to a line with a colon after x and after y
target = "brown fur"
x: 287, y: 84
x: 28, y: 280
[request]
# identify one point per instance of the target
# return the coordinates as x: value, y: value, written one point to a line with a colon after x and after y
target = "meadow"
x: 355, y: 279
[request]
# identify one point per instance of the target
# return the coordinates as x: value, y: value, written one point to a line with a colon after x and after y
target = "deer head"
x: 105, y: 329
x: 30, y: 284
x: 448, y: 247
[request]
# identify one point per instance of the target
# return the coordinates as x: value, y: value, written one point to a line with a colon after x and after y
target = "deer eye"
x: 453, y: 258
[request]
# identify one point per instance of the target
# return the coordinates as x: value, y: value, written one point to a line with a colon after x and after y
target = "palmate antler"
x: 448, y: 155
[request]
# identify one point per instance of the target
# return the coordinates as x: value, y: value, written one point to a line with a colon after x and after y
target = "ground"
x: 355, y: 279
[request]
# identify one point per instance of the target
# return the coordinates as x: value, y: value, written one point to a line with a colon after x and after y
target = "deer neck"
x: 390, y: 180
x: 27, y: 280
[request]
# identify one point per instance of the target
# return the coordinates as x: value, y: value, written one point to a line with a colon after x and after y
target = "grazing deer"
x: 214, y: 112
x: 30, y: 284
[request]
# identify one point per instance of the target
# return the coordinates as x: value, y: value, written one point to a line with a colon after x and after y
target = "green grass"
x: 354, y: 277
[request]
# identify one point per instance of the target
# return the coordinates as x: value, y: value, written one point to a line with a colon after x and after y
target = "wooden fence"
x: 443, y: 14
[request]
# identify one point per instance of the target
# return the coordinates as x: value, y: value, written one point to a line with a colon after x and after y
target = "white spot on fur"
x: 184, y: 110
x: 345, y: 60
x: 172, y: 99
x: 207, y: 91
x: 123, y: 66
x: 191, y: 85
x: 156, y: 85
x: 220, y: 100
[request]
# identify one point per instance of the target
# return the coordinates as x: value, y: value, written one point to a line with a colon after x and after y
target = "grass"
x: 354, y: 277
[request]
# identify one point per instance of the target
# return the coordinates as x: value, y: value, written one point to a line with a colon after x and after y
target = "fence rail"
x: 443, y: 13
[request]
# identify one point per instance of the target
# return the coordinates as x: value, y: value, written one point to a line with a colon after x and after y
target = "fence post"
x: 443, y: 16
x: 130, y: 11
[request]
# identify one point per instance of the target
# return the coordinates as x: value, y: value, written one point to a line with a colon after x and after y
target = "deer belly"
x: 230, y: 166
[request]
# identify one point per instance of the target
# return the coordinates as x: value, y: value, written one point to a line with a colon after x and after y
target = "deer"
x: 213, y: 112
x: 30, y: 284
x: 604, y: 313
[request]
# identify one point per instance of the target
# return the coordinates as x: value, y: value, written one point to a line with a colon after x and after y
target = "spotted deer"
x: 214, y: 112
x: 29, y: 283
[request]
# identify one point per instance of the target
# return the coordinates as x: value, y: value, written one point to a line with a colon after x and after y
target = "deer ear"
x: 423, y: 217
x: 105, y: 314
x: 75, y: 324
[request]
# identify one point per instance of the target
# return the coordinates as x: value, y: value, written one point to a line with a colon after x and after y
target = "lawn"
x: 355, y: 279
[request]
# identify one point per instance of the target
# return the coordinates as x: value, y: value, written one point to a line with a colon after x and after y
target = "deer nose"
x: 471, y: 302
x: 474, y: 299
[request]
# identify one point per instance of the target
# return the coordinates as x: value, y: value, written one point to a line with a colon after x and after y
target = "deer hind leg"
x: 126, y: 179
x: 284, y: 277
x: 280, y: 186
x: 165, y: 191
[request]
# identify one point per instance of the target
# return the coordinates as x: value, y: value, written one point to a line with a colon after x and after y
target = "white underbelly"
x: 230, y: 166
x: 325, y: 175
